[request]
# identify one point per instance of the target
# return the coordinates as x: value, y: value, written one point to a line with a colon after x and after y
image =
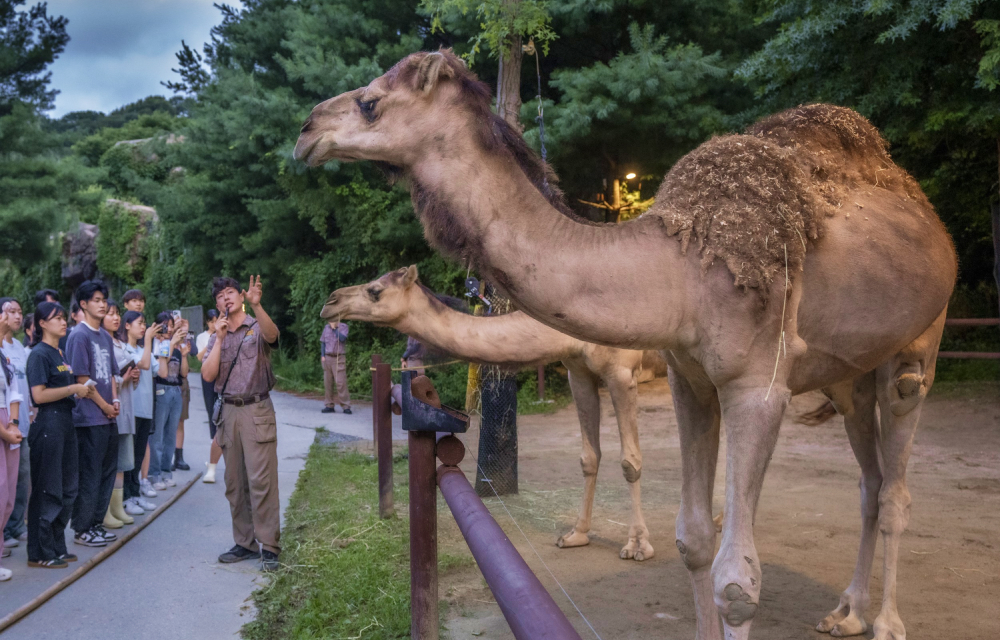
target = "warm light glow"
x: 629, y: 176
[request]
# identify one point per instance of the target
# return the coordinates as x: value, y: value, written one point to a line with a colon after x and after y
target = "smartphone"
x: 175, y: 314
x: 125, y: 369
x: 90, y: 383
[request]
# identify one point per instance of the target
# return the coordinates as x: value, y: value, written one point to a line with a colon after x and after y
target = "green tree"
x: 925, y: 73
x: 29, y: 42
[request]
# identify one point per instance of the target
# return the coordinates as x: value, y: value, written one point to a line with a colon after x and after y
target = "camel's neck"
x: 581, y: 279
x: 513, y: 339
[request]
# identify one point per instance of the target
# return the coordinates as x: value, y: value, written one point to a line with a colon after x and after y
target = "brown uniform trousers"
x: 335, y: 372
x: 248, y: 437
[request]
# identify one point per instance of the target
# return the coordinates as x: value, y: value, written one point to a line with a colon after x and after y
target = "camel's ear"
x: 431, y: 67
x: 411, y: 275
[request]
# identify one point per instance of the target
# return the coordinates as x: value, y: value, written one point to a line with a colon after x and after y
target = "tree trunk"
x: 996, y: 231
x: 509, y: 81
x: 498, y: 424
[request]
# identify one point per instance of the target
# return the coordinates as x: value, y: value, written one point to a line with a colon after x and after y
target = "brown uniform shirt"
x: 252, y: 374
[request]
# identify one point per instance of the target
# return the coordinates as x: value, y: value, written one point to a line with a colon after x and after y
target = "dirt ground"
x: 807, y: 528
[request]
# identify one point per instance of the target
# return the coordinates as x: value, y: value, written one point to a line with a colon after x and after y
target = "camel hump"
x: 745, y: 201
x: 839, y: 146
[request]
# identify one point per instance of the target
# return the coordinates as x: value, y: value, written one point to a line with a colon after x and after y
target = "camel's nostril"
x: 307, y: 125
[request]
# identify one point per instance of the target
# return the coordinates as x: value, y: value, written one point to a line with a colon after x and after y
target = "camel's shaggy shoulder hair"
x: 747, y: 199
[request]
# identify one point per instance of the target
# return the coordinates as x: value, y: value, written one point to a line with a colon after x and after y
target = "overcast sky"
x: 120, y: 50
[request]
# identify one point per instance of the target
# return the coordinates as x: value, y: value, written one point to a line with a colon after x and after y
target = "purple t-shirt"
x: 91, y: 353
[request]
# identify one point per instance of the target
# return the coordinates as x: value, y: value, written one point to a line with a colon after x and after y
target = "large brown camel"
x: 796, y: 256
x: 398, y: 300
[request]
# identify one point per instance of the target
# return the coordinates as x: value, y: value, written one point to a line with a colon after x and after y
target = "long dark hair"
x: 127, y: 319
x: 45, y: 311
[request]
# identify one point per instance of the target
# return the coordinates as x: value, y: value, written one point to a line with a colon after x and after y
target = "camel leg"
x: 856, y: 400
x: 900, y: 386
x: 752, y: 418
x: 583, y: 384
x: 624, y: 390
x: 698, y: 427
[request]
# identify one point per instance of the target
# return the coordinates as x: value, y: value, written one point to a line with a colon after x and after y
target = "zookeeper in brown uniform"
x: 241, y: 370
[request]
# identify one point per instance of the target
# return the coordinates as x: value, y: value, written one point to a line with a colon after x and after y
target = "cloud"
x: 120, y: 50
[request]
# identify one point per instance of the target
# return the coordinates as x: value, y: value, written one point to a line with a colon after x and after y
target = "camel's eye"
x: 374, y: 293
x: 367, y: 108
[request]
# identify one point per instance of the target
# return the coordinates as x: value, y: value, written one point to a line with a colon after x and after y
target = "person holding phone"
x: 53, y: 440
x: 170, y: 349
x: 91, y: 355
x: 118, y: 513
x: 179, y: 463
x: 132, y: 332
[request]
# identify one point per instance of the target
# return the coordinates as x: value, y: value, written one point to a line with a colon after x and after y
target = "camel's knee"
x: 632, y: 469
x: 590, y: 464
x: 894, y: 508
x: 736, y: 576
x: 695, y: 541
x: 908, y: 390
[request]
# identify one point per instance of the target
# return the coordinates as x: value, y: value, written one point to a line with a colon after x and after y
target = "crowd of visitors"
x: 92, y: 417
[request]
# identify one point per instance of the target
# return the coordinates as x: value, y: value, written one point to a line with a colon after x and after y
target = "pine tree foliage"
x: 924, y: 71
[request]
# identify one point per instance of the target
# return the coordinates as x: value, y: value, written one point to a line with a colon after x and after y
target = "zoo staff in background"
x: 239, y: 362
x: 334, y: 361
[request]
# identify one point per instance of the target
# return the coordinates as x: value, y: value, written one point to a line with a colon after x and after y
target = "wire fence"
x: 493, y: 391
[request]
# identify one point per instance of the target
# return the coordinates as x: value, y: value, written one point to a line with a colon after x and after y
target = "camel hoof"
x: 573, y: 539
x: 889, y: 628
x: 849, y: 626
x: 627, y: 552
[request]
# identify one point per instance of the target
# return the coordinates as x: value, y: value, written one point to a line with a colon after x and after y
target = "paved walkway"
x: 165, y: 582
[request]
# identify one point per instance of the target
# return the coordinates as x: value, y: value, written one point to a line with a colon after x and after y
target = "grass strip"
x: 346, y: 572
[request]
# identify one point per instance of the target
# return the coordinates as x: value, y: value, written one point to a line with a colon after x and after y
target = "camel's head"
x: 384, y: 301
x: 399, y: 116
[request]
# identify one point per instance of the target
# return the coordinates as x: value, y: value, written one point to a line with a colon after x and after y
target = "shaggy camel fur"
x: 398, y: 300
x: 818, y: 264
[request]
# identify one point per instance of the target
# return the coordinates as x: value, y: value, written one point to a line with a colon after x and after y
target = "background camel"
x: 817, y: 263
x: 398, y: 300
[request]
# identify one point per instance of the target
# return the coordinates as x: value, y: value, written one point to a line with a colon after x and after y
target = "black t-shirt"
x: 48, y: 367
x: 173, y: 377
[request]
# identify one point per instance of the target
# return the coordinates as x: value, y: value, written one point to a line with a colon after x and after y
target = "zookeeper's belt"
x: 240, y: 401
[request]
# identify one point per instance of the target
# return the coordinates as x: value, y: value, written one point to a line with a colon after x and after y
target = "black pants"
x: 54, y: 476
x: 98, y: 447
x: 142, y: 428
x: 209, y: 394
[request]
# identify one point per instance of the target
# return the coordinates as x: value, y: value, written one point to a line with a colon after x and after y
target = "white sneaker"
x: 146, y: 488
x: 169, y: 482
x: 159, y: 486
x: 133, y: 509
x: 209, y: 476
x: 5, y: 574
x: 145, y: 504
x: 10, y: 543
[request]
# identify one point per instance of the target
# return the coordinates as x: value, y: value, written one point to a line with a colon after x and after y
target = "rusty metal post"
x: 423, y: 537
x: 376, y: 359
x: 382, y: 415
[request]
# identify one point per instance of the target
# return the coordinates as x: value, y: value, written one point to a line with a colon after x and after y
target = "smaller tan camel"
x: 398, y: 300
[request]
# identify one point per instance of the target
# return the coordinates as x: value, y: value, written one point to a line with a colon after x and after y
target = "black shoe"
x: 68, y: 557
x: 238, y: 554
x: 328, y: 410
x: 55, y: 563
x: 179, y: 461
x: 269, y: 561
x: 348, y: 411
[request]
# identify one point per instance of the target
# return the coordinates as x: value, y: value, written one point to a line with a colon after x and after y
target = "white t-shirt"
x: 202, y: 341
x: 18, y: 356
